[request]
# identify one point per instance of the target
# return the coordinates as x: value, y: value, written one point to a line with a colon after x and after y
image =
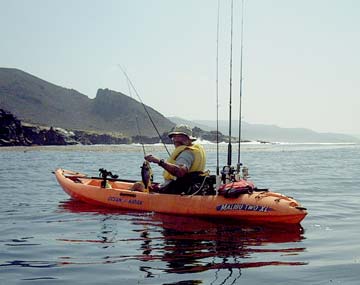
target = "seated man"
x: 187, y: 160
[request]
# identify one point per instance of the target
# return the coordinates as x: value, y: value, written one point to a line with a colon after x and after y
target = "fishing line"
x: 146, y: 110
x: 146, y: 171
x: 241, y: 85
x: 137, y: 121
x: 142, y: 143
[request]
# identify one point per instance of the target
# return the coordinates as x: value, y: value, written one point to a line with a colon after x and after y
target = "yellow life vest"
x: 198, y: 163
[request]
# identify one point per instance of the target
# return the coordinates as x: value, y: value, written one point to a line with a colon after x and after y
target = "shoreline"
x: 156, y: 148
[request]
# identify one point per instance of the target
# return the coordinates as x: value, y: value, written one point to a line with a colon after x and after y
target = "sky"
x: 301, y: 59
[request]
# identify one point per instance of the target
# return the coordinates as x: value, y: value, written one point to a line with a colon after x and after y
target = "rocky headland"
x: 42, y: 113
x: 15, y: 133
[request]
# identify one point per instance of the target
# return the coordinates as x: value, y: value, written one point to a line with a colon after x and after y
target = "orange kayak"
x: 257, y: 206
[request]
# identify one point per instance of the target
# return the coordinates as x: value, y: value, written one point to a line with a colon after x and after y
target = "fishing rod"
x: 140, y: 136
x: 217, y: 91
x: 141, y: 141
x: 230, y: 100
x: 146, y: 110
x: 147, y: 176
x: 241, y: 85
x: 137, y: 122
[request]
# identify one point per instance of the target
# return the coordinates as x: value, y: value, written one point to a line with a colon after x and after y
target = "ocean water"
x: 47, y: 238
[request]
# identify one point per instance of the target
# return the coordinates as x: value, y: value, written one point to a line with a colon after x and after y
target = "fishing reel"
x: 227, y: 174
x: 245, y: 173
x: 105, y: 174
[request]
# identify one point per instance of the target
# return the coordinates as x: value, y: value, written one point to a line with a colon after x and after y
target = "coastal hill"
x: 36, y: 101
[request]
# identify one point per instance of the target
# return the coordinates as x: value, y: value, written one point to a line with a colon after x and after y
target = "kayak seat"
x: 193, y: 183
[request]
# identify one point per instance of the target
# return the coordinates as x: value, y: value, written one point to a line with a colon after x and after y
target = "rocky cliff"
x: 36, y: 101
x: 14, y: 133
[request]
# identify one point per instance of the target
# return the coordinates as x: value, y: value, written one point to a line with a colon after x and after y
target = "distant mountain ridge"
x: 37, y: 101
x: 270, y: 133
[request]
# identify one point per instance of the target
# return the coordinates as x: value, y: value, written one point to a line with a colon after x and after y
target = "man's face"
x: 180, y: 139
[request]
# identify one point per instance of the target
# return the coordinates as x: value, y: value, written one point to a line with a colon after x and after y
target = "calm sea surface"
x: 46, y: 238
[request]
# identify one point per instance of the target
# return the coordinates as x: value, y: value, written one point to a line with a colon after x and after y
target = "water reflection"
x: 181, y: 245
x: 194, y: 245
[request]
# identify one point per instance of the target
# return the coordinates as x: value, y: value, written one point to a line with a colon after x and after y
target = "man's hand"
x: 151, y: 158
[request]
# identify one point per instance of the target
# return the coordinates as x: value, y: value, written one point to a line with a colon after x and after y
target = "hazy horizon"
x: 300, y: 63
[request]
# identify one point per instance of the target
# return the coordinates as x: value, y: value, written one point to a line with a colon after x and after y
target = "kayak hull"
x: 255, y: 207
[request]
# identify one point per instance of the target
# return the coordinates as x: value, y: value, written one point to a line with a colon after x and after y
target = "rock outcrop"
x: 14, y: 133
x: 84, y: 137
x: 11, y: 131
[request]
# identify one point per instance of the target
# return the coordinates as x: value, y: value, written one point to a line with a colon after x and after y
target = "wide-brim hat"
x: 182, y: 130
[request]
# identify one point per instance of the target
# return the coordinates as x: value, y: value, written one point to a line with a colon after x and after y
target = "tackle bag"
x: 236, y: 188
